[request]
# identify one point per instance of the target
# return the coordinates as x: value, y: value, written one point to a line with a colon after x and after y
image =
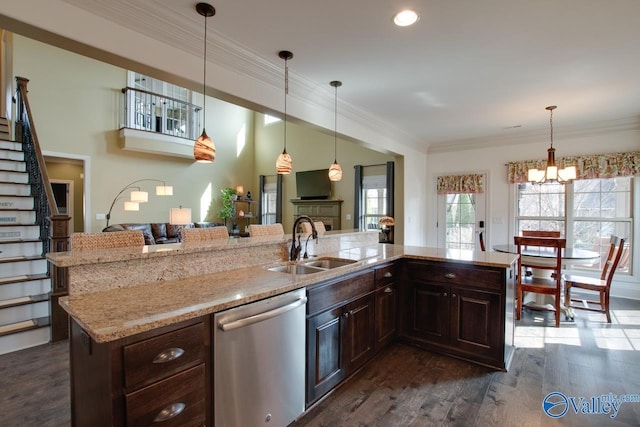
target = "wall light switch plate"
x: 101, y: 216
x: 348, y: 216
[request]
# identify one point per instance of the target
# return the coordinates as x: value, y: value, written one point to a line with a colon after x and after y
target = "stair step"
x: 23, y: 268
x: 22, y: 288
x: 19, y: 232
x: 16, y: 202
x: 15, y: 216
x: 22, y: 278
x: 14, y: 155
x: 12, y: 165
x: 36, y: 333
x: 10, y: 145
x: 23, y: 300
x: 22, y: 312
x: 15, y: 189
x: 21, y: 249
x: 22, y: 177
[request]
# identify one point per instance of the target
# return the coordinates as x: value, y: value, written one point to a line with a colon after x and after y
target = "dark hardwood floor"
x: 405, y: 386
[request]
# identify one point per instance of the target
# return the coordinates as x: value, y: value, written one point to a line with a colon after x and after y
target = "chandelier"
x: 551, y: 173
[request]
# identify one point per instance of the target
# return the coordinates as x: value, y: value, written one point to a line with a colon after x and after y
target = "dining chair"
x: 602, y: 285
x: 190, y: 235
x: 319, y: 225
x: 540, y: 285
x: 539, y: 233
x: 262, y: 230
x: 109, y: 240
x: 481, y: 240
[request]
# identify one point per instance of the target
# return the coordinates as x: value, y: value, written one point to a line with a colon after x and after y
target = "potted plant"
x: 227, y: 210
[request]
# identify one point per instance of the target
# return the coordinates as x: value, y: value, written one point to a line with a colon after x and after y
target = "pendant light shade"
x: 284, y: 163
x: 335, y: 171
x: 204, y: 151
x: 551, y: 173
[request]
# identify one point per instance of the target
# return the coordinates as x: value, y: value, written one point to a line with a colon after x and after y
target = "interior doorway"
x: 63, y: 192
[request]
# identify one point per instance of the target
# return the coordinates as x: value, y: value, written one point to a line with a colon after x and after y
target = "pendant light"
x: 335, y: 171
x: 284, y: 163
x: 551, y: 173
x: 204, y: 151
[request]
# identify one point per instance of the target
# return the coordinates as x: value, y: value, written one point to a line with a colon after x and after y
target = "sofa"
x: 157, y: 233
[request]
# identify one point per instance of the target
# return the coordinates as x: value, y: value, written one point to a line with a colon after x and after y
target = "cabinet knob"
x: 444, y: 294
x: 169, y: 412
x: 345, y: 314
x: 168, y: 355
x: 454, y: 295
x: 450, y: 275
x: 388, y: 274
x: 388, y: 290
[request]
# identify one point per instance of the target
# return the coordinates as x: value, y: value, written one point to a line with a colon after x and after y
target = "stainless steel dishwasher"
x: 259, y: 362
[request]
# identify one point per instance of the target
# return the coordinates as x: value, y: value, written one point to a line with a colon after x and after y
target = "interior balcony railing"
x: 153, y: 112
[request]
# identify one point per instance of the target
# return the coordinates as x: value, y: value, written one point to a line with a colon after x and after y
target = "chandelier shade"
x: 204, y: 150
x: 284, y: 163
x: 551, y: 173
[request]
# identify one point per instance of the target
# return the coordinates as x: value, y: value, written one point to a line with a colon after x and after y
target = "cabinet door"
x: 428, y: 317
x: 386, y: 303
x: 476, y: 321
x: 359, y: 337
x: 325, y: 359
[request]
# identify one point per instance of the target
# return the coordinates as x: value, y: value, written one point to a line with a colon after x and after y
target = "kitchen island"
x: 127, y: 302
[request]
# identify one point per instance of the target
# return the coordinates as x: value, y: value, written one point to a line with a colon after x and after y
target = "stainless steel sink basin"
x: 328, y: 263
x: 296, y: 269
x: 314, y: 266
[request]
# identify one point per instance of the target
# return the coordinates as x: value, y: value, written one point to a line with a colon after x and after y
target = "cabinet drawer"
x: 175, y: 401
x: 328, y: 294
x: 385, y: 274
x: 159, y: 357
x: 475, y: 276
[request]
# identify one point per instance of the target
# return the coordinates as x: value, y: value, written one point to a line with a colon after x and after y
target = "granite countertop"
x: 118, y: 313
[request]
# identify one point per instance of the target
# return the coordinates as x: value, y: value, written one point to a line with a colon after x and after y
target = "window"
x: 460, y: 221
x: 158, y: 106
x: 586, y: 212
x: 374, y: 201
x: 269, y: 203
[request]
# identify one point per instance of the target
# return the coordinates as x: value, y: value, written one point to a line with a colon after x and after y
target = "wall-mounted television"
x: 313, y: 184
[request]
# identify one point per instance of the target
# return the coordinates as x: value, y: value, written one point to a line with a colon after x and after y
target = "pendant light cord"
x: 335, y: 127
x: 286, y: 91
x: 551, y: 125
x: 204, y: 77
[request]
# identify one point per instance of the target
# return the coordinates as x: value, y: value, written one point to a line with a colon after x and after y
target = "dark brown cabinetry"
x: 459, y: 310
x: 340, y: 330
x: 386, y: 304
x: 159, y: 376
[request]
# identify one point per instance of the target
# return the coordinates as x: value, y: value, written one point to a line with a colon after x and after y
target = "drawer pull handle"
x: 168, y: 355
x: 450, y: 275
x: 444, y: 294
x: 388, y: 290
x: 169, y: 412
x: 388, y: 274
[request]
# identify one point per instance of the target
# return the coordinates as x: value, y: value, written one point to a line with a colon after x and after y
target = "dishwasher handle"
x: 261, y: 316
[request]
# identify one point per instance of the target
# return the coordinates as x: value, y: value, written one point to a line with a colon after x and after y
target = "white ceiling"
x: 469, y: 70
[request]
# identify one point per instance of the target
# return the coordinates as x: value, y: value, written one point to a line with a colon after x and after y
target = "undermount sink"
x: 314, y: 266
x: 296, y: 269
x: 328, y: 263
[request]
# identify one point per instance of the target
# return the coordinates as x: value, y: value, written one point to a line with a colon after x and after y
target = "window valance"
x: 457, y: 184
x: 587, y: 167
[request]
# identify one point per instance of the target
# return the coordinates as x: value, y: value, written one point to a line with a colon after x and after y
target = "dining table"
x: 546, y: 256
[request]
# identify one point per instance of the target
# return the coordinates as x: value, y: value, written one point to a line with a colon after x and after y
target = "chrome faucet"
x: 294, y: 254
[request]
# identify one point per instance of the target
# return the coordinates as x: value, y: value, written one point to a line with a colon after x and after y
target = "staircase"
x: 24, y: 282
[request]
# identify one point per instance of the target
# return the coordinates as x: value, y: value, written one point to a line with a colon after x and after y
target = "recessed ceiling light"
x: 407, y: 17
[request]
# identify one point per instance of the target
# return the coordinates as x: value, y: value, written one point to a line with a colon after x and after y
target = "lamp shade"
x: 204, y: 151
x: 180, y: 216
x: 335, y: 172
x: 131, y: 206
x: 284, y: 163
x: 164, y: 190
x: 138, y: 196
